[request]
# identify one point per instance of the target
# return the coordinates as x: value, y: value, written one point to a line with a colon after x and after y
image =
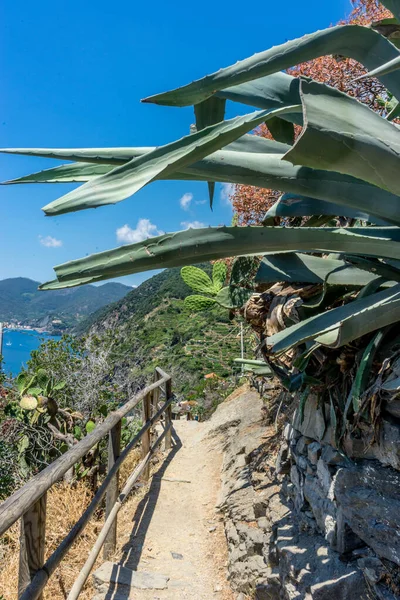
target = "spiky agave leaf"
x: 393, y: 6
x: 353, y: 41
x: 295, y: 205
x: 197, y: 245
x: 355, y: 140
x: 252, y: 160
x: 125, y: 180
x: 273, y: 91
x: 304, y: 268
x: 339, y: 326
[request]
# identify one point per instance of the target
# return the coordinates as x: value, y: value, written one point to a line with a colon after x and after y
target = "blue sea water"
x: 17, y: 347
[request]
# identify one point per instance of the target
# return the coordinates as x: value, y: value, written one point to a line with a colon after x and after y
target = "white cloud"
x: 186, y: 200
x: 227, y: 190
x: 200, y: 201
x: 193, y: 224
x: 50, y: 242
x: 144, y: 230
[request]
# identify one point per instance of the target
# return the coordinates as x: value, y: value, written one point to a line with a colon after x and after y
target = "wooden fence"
x: 29, y: 502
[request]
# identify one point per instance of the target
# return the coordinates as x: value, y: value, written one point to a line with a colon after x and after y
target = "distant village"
x: 52, y: 326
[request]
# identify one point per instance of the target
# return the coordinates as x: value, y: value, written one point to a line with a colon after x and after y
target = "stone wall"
x: 302, y: 520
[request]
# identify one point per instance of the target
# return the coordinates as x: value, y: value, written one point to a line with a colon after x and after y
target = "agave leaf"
x: 218, y: 275
x: 281, y: 131
x: 79, y: 173
x: 258, y: 367
x: 355, y: 140
x: 197, y: 303
x: 340, y: 326
x: 272, y: 172
x: 371, y: 287
x: 393, y: 6
x: 207, y: 113
x: 390, y: 272
x: 294, y: 205
x: 85, y: 171
x: 108, y: 156
x: 125, y: 180
x: 389, y: 67
x: 68, y: 173
x: 263, y: 371
x: 249, y: 361
x: 120, y: 156
x: 252, y: 160
x: 392, y: 385
x: 57, y: 285
x: 233, y: 296
x: 353, y: 41
x: 304, y: 268
x: 273, y: 91
x: 197, y: 245
x: 363, y: 373
x: 198, y: 280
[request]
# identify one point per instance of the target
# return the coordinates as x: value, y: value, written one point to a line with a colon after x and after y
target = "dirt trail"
x: 176, y: 530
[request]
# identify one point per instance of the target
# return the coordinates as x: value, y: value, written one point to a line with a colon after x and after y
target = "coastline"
x: 34, y: 329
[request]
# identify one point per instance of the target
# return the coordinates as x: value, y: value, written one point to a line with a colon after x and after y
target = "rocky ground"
x: 240, y: 511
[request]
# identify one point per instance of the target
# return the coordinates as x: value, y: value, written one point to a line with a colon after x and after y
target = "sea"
x: 18, y: 345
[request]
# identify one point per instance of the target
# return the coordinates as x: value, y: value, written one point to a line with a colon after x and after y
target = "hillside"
x: 152, y: 327
x: 21, y: 301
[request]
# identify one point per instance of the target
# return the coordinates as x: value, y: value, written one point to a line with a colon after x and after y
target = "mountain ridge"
x: 22, y: 302
x: 151, y: 327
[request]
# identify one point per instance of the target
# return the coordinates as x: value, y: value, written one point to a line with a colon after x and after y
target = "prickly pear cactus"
x: 243, y: 270
x: 28, y: 402
x: 219, y: 275
x: 198, y: 280
x: 233, y: 296
x: 196, y: 303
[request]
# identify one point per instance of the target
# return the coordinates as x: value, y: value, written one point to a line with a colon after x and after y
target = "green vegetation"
x: 21, y: 301
x: 346, y: 160
x: 153, y: 326
x: 72, y: 384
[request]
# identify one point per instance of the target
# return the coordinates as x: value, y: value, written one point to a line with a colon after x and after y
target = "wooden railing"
x: 29, y: 502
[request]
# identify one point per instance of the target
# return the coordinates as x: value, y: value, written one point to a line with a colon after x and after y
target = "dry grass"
x: 65, y: 505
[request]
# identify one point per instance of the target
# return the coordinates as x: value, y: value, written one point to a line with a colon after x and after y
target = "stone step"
x: 115, y: 582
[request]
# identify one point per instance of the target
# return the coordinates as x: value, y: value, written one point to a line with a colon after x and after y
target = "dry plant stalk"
x: 65, y: 505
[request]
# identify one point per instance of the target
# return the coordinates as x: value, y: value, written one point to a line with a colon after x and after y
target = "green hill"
x: 152, y: 327
x: 21, y: 301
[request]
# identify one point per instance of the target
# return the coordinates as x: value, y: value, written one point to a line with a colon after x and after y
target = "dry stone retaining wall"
x: 308, y: 523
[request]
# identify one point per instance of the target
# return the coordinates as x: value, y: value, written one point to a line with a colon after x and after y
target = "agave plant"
x: 344, y: 164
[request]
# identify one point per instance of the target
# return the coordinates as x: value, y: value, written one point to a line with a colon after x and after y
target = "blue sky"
x: 73, y: 74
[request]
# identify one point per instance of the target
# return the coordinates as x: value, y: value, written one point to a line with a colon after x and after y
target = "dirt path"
x: 176, y: 530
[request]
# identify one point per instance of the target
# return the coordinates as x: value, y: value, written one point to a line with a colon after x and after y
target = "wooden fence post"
x: 114, y: 449
x: 146, y: 441
x: 168, y: 414
x: 32, y: 544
